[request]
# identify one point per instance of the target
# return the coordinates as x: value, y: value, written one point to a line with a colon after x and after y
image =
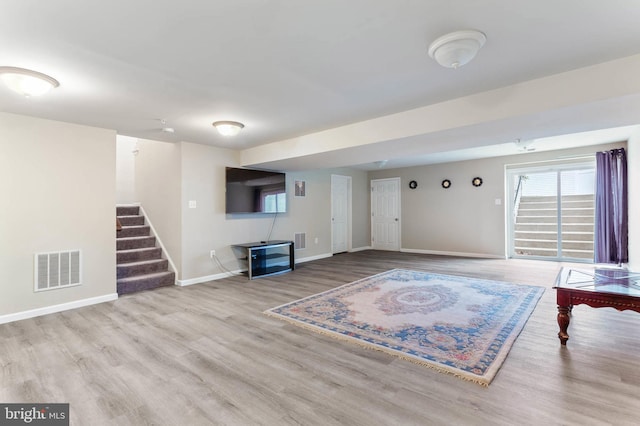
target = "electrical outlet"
x: 212, y: 254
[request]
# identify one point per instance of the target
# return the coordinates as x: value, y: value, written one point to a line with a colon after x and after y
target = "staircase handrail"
x: 518, y: 196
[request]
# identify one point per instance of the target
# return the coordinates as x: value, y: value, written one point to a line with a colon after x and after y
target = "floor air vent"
x: 57, y: 270
x: 300, y: 240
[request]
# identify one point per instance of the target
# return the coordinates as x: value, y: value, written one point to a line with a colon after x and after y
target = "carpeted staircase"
x: 140, y: 265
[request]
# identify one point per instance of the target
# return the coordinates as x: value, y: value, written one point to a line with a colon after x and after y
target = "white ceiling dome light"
x: 228, y: 128
x: 455, y: 49
x: 27, y: 82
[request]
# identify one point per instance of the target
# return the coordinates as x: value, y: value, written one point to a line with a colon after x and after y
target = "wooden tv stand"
x: 266, y: 258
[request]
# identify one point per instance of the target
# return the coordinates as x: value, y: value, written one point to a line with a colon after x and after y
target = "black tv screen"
x: 255, y: 191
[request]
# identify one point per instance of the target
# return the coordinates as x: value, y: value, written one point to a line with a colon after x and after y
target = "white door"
x: 340, y: 213
x: 385, y: 214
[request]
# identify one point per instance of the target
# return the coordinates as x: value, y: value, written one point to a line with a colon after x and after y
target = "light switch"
x: 192, y: 204
x: 498, y: 201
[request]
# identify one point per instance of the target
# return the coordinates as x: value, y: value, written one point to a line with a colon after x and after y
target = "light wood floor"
x: 206, y: 354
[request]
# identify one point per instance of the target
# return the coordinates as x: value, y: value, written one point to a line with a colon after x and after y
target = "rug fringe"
x: 366, y: 345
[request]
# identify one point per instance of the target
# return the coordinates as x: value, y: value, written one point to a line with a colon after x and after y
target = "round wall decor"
x: 413, y: 184
x: 476, y: 181
x: 446, y: 184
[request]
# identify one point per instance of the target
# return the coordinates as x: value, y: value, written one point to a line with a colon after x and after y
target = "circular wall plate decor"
x: 446, y: 184
x: 413, y: 184
x: 476, y: 181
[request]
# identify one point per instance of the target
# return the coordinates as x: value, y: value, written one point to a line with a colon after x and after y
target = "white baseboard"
x: 453, y: 253
x: 204, y: 279
x: 312, y: 258
x: 57, y: 308
x: 325, y: 255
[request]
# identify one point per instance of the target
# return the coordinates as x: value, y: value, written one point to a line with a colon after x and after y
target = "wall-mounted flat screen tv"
x: 255, y: 191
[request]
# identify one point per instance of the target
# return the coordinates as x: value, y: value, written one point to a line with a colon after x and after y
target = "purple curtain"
x: 611, y: 232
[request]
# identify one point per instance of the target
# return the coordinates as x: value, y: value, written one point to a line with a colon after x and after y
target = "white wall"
x: 158, y: 183
x: 361, y: 207
x: 204, y: 228
x: 126, y: 150
x: 207, y: 227
x: 463, y: 219
x: 57, y: 182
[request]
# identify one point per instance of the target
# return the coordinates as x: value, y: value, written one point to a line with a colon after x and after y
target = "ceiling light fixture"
x: 524, y: 146
x: 228, y: 128
x: 27, y: 82
x: 455, y: 49
x: 164, y: 128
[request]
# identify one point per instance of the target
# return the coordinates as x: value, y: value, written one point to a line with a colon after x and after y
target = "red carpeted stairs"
x: 140, y: 265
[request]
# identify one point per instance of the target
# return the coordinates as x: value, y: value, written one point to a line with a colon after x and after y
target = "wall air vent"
x: 300, y: 240
x: 57, y: 270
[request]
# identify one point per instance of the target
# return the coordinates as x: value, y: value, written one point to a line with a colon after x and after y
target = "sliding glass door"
x: 551, y: 212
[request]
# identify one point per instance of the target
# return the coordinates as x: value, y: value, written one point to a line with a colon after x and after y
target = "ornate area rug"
x: 463, y: 326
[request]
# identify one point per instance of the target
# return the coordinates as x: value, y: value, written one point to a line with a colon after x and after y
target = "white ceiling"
x: 287, y: 68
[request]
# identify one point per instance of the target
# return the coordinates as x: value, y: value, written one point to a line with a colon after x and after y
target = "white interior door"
x: 340, y: 213
x: 385, y: 214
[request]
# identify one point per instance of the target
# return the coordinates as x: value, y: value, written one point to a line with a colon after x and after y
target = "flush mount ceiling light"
x: 455, y: 49
x: 228, y: 128
x: 27, y: 82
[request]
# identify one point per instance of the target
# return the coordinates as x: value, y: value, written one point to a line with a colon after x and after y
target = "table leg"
x: 563, y: 322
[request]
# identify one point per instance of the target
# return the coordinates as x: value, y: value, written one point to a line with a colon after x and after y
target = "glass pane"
x: 578, y: 208
x: 536, y: 215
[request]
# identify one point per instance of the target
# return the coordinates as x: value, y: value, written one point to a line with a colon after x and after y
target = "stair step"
x: 552, y: 227
x: 553, y: 204
x: 131, y: 220
x: 135, y: 243
x: 579, y: 254
x: 134, y: 231
x: 553, y: 236
x: 554, y: 212
x: 553, y: 219
x: 527, y: 198
x: 526, y: 251
x: 566, y: 244
x: 145, y: 282
x: 127, y: 210
x: 137, y: 255
x: 142, y: 267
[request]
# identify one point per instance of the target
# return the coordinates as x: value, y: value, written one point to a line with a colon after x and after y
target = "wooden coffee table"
x: 598, y: 288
